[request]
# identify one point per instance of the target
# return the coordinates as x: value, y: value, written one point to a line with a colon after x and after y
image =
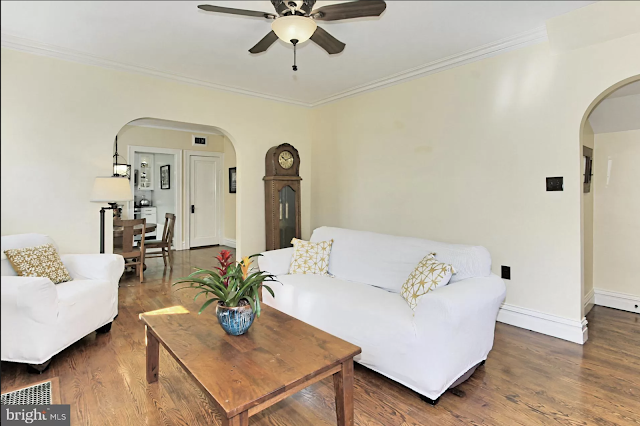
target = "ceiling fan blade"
x: 232, y: 11
x: 328, y: 42
x: 265, y: 43
x: 354, y: 9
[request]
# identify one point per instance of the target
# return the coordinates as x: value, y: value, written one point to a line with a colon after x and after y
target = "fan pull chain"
x: 294, y: 42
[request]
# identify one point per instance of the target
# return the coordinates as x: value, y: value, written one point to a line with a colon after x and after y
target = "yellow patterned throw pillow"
x: 310, y: 258
x: 38, y: 261
x: 428, y: 275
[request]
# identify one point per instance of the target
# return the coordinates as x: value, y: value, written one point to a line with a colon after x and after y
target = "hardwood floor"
x: 529, y: 378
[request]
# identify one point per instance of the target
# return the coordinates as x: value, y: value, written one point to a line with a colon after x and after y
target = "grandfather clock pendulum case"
x: 282, y: 196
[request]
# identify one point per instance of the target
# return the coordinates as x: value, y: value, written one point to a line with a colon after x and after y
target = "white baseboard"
x: 551, y: 325
x: 229, y: 242
x: 588, y: 301
x: 612, y: 299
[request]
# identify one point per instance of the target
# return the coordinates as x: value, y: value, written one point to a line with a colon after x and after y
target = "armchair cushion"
x: 39, y: 261
x: 17, y: 242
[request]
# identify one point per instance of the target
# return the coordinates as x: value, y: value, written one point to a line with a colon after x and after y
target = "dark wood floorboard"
x: 529, y: 379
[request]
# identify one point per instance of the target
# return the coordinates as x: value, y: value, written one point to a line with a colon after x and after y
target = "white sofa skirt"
x: 452, y: 329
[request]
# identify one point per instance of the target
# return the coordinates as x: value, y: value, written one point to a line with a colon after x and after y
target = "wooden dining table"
x: 137, y: 230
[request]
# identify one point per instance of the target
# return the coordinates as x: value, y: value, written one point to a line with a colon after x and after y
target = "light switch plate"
x: 555, y: 184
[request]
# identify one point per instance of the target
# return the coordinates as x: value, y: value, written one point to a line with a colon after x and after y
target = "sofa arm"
x: 108, y: 267
x: 470, y: 300
x: 33, y: 297
x: 276, y: 262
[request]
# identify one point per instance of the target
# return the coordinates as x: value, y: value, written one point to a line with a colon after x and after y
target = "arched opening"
x: 610, y: 201
x: 181, y: 170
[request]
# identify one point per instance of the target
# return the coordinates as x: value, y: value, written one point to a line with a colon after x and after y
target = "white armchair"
x: 40, y: 319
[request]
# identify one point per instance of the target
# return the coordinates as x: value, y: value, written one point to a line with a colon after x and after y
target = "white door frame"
x: 178, y: 241
x: 187, y: 194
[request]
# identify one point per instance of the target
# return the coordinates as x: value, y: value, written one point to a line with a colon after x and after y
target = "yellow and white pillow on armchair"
x: 427, y: 276
x: 310, y: 258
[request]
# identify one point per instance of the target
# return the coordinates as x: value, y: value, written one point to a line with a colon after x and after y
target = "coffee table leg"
x: 241, y: 419
x: 153, y: 356
x: 343, y: 384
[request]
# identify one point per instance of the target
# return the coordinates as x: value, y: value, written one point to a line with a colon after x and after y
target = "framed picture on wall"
x: 165, y: 177
x: 232, y: 180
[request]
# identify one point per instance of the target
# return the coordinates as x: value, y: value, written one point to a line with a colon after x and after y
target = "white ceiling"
x: 618, y: 112
x: 174, y: 39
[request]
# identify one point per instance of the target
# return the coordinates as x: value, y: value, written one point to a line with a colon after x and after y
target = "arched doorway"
x: 183, y: 169
x: 598, y: 208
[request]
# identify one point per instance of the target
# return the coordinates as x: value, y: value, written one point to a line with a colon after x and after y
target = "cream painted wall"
x: 587, y: 218
x: 229, y: 199
x: 462, y: 156
x: 58, y: 123
x: 178, y: 139
x: 617, y: 212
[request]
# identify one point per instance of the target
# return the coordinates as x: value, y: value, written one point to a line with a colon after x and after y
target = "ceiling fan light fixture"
x: 293, y: 27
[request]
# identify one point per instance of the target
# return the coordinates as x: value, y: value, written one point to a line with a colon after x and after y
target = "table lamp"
x: 110, y: 190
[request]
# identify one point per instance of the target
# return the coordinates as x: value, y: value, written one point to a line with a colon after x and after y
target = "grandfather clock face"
x: 285, y: 159
x: 282, y: 196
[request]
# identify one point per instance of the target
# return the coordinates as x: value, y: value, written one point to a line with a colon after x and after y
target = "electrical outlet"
x: 555, y: 184
x: 506, y: 272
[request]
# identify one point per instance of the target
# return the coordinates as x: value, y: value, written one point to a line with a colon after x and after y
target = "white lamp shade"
x: 111, y: 189
x: 294, y: 27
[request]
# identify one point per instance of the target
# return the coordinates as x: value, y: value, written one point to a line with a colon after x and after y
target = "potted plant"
x: 236, y: 291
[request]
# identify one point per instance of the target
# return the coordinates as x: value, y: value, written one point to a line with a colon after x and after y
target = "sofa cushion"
x: 386, y: 261
x: 378, y: 321
x: 428, y: 275
x: 310, y: 258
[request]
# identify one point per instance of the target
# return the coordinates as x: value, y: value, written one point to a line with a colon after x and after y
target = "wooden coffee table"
x: 276, y: 358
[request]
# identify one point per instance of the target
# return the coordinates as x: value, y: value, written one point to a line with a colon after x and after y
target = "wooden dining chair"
x: 133, y: 256
x: 165, y: 243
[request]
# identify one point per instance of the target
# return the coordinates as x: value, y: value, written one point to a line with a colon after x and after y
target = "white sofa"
x: 40, y: 319
x: 451, y: 332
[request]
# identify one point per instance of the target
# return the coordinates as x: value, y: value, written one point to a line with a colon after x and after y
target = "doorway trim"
x: 178, y: 242
x: 186, y: 158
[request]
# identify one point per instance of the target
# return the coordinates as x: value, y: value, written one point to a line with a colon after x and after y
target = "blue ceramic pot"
x: 235, y: 321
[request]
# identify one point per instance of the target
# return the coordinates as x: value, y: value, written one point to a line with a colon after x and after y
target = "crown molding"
x: 504, y: 45
x: 43, y: 49
x: 518, y: 41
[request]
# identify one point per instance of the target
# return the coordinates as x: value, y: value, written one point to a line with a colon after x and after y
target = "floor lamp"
x: 110, y: 190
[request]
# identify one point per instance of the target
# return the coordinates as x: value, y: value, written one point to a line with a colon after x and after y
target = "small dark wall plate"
x: 506, y: 272
x: 555, y: 184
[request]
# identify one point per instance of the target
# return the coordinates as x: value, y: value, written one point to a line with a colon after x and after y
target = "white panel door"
x: 205, y: 218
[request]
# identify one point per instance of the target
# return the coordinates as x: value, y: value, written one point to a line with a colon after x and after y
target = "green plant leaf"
x: 207, y: 303
x: 252, y: 302
x: 269, y: 290
x: 197, y: 295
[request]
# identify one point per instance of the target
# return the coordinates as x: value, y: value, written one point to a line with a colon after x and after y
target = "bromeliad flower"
x: 244, y: 266
x: 225, y: 260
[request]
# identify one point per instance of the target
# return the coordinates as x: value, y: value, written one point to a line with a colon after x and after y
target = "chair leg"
x: 170, y: 253
x: 164, y: 257
x: 141, y: 266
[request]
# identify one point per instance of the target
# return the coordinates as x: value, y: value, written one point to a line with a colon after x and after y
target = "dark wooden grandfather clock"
x: 282, y: 196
